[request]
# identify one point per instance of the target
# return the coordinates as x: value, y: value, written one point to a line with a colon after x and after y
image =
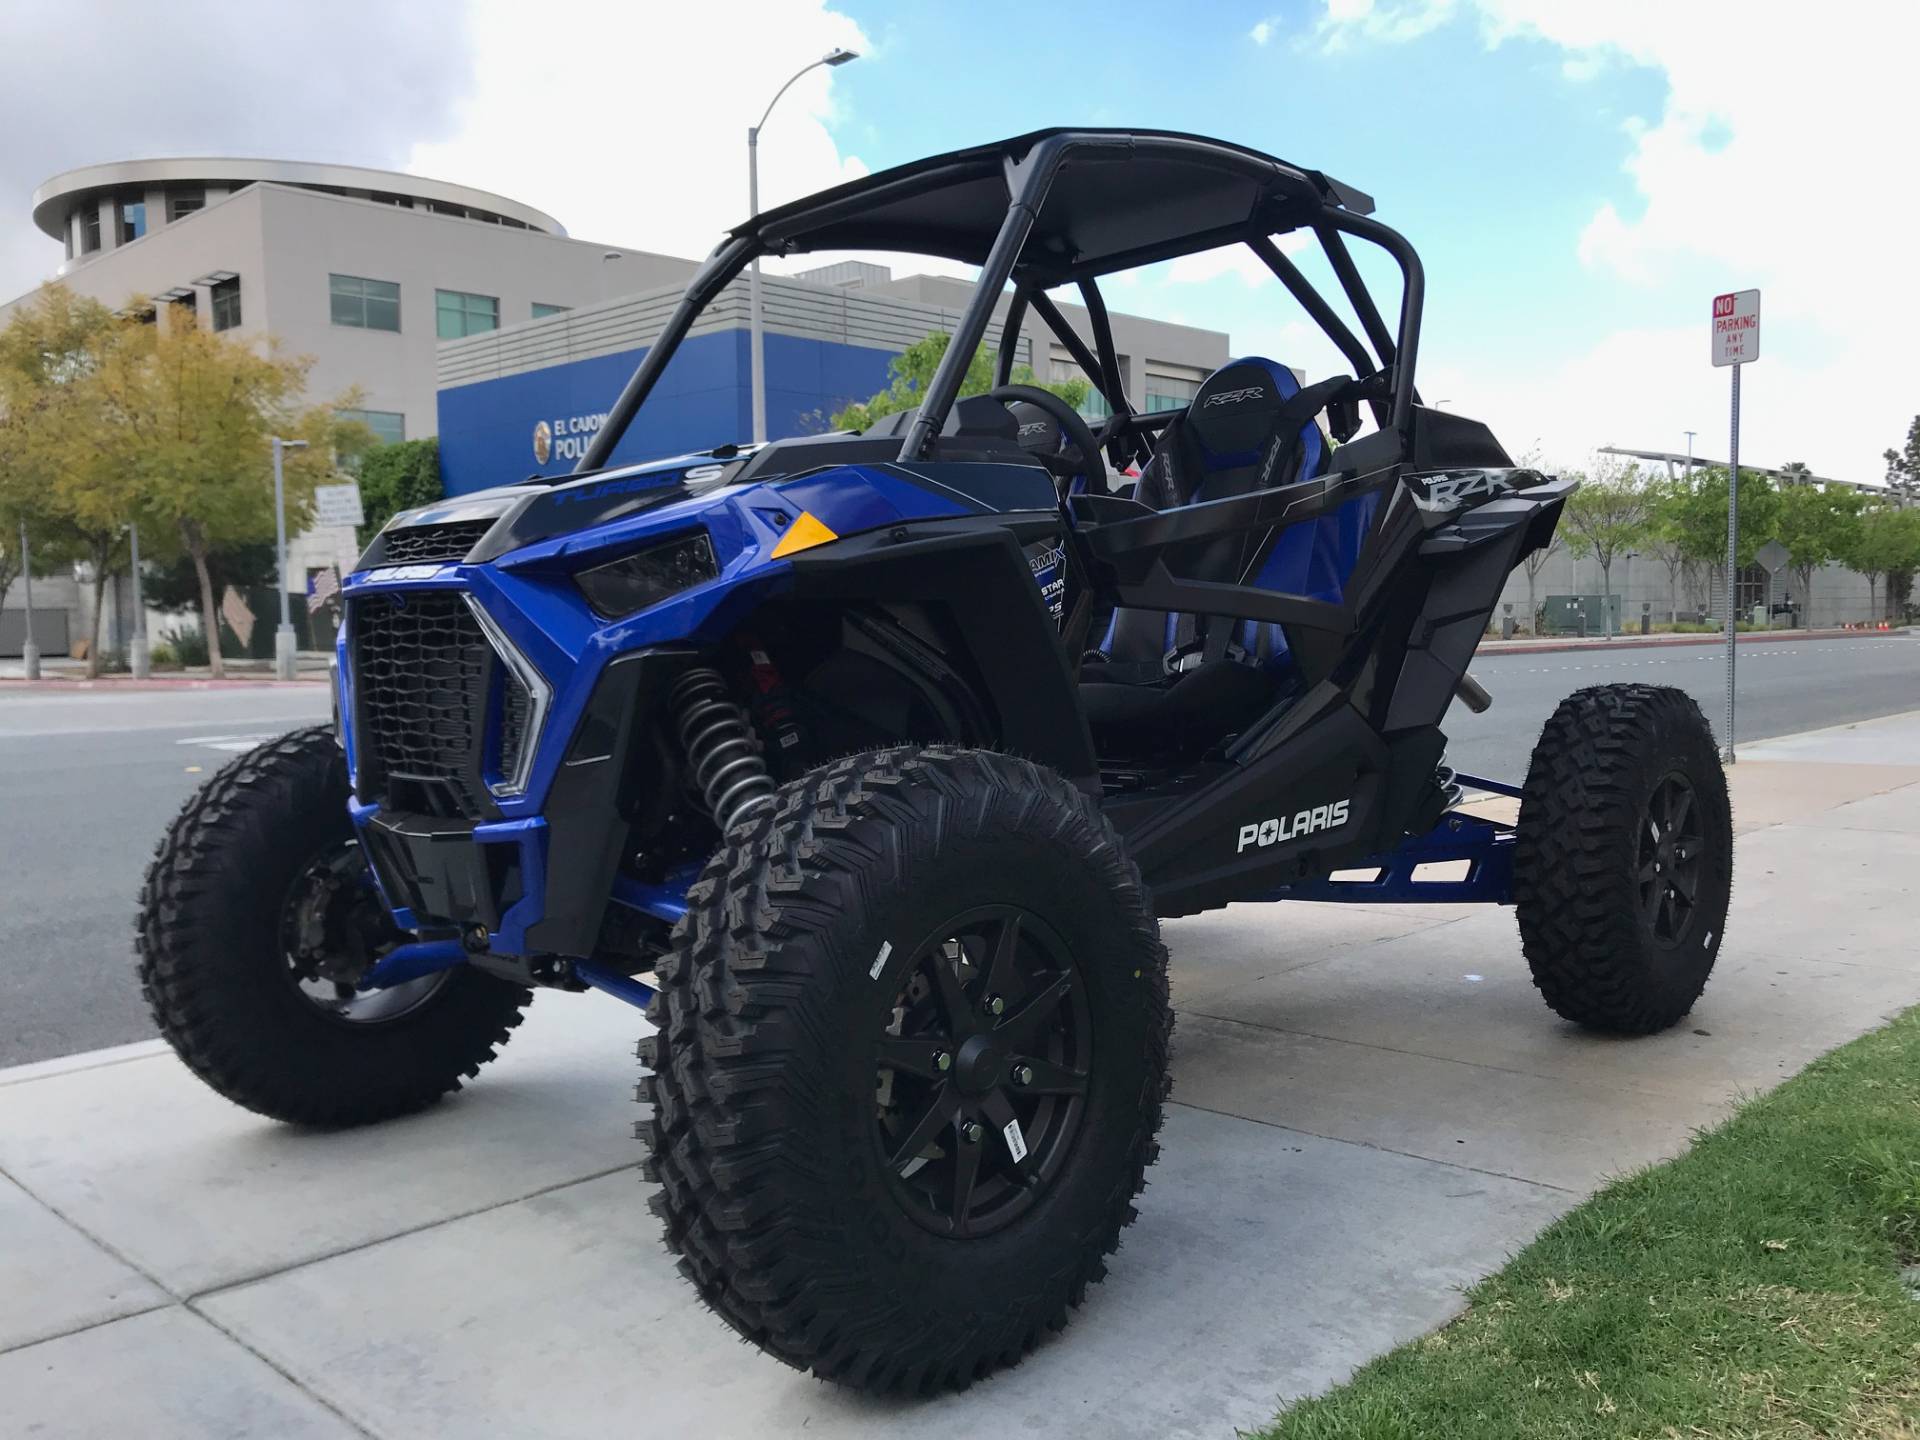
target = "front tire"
x: 1623, y: 865
x: 264, y: 846
x: 910, y: 1061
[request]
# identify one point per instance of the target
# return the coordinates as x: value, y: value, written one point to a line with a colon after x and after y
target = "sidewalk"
x: 1372, y: 1109
x: 61, y: 673
x: 1529, y: 644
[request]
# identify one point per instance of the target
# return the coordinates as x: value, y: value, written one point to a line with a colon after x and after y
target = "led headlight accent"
x: 646, y: 577
x: 517, y: 749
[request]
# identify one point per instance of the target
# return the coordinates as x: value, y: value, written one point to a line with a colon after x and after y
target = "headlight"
x: 648, y: 576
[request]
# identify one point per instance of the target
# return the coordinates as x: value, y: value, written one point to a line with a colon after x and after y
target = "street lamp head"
x: 839, y: 57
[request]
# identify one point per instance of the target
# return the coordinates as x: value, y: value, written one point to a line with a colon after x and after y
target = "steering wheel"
x: 1080, y: 456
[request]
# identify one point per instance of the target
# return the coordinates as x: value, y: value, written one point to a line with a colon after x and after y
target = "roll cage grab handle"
x: 1028, y: 180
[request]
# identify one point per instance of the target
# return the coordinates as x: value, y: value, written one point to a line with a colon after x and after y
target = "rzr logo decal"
x: 1233, y: 397
x: 1035, y: 427
x: 1276, y: 831
x: 1450, y: 492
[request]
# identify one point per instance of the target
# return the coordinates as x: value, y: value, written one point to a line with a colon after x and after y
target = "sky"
x: 1580, y: 179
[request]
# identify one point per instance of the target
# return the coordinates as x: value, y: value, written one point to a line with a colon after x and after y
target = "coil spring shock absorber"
x: 722, y: 758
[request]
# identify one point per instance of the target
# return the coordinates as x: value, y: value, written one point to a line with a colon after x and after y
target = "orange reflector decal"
x: 803, y: 534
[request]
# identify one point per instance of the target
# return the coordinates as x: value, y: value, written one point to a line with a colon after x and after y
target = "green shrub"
x: 186, y: 645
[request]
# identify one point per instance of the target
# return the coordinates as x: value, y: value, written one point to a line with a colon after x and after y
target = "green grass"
x: 1750, y: 1288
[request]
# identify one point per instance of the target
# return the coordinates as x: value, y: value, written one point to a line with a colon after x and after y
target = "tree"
x: 195, y: 411
x: 1606, y: 516
x: 64, y: 454
x: 1885, y: 545
x: 398, y: 477
x: 1662, y: 539
x: 1903, y: 467
x: 910, y: 371
x: 1698, y: 519
x: 1815, y: 525
x: 174, y: 583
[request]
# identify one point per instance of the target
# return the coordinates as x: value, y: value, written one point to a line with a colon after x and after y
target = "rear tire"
x: 807, y: 1041
x: 1623, y: 865
x: 214, y: 964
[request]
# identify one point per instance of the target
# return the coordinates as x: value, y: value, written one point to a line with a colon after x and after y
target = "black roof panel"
x: 1121, y: 197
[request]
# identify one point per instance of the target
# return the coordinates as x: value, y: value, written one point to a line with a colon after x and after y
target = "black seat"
x: 1158, y: 679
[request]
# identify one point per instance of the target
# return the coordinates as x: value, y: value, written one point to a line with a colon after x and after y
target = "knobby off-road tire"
x: 814, y: 935
x: 214, y: 966
x: 1623, y: 865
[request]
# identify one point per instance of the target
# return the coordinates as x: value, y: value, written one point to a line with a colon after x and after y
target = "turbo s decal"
x: 1274, y: 832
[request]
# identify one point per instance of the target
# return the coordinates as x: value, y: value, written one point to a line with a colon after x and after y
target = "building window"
x: 459, y: 313
x: 181, y: 203
x: 540, y: 311
x: 1169, y: 392
x: 90, y: 230
x: 226, y: 304
x: 133, y: 219
x: 389, y: 427
x: 364, y: 304
x: 1095, y: 406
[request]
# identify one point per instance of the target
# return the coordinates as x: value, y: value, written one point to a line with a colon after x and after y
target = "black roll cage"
x: 861, y: 215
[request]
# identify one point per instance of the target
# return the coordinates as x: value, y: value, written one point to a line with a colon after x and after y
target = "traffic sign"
x: 1772, y: 557
x: 338, y: 505
x: 1736, y: 328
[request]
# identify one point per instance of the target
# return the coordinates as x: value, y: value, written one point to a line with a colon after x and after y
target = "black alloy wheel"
x: 982, y: 1071
x: 1672, y: 846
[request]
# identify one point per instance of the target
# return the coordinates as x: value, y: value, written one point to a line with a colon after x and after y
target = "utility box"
x: 1580, y: 614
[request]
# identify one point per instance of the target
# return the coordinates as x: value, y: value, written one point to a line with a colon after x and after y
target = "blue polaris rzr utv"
x: 868, y: 763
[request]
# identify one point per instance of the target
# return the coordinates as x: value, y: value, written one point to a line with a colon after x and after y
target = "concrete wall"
x: 1839, y: 595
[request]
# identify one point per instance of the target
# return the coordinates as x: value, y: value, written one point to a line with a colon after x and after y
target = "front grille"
x: 420, y: 671
x: 424, y: 544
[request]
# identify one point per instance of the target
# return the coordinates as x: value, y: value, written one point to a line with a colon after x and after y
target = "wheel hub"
x: 1669, y: 865
x: 982, y: 1071
x: 980, y: 1066
x: 332, y: 928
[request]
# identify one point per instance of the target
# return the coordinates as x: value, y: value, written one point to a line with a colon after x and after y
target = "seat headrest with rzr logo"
x: 1232, y: 414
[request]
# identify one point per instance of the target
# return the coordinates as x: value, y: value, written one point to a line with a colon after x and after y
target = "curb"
x: 59, y: 683
x: 1654, y: 642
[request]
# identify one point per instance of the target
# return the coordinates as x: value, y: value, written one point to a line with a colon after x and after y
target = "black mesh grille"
x: 420, y: 680
x: 424, y: 544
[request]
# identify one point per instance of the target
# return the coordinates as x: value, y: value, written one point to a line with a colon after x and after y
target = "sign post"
x: 1736, y: 342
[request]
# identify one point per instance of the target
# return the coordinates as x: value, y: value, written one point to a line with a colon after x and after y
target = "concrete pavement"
x: 1372, y: 1108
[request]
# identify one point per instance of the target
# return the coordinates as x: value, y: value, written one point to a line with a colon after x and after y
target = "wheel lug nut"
x: 942, y: 1060
x: 1023, y: 1074
x: 996, y: 1005
x: 971, y: 1132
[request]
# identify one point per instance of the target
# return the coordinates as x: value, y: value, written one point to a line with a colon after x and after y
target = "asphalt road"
x: 89, y: 780
x: 1782, y: 687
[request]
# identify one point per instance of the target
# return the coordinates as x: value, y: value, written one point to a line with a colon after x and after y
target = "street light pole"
x: 29, y: 651
x: 756, y: 359
x: 139, y: 665
x: 283, y: 643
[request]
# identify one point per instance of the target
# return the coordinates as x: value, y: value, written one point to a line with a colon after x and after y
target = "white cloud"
x: 1262, y: 32
x: 1235, y: 260
x: 1779, y: 159
x: 1392, y: 22
x: 629, y: 122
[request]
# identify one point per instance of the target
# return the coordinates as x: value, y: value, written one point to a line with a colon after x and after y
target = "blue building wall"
x: 487, y: 428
